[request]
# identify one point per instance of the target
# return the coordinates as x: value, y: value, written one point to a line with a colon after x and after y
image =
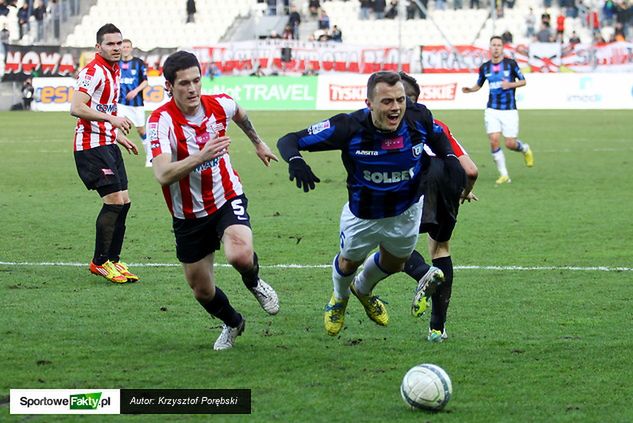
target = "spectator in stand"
x: 191, y: 11
x: 272, y: 7
x: 593, y: 21
x: 294, y: 20
x: 336, y: 34
x: 440, y: 4
x: 5, y: 35
x: 574, y: 39
x: 544, y: 35
x: 4, y: 9
x: 474, y: 4
x: 392, y: 13
x: 39, y: 12
x: 313, y: 7
x: 547, y: 4
x: 546, y: 18
x: 27, y: 93
x: 560, y: 27
x: 608, y: 12
x: 618, y: 34
x: 23, y: 19
x: 379, y: 8
x: 530, y: 22
x: 365, y: 7
x: 507, y: 37
x: 458, y: 4
x: 288, y: 33
x: 324, y: 21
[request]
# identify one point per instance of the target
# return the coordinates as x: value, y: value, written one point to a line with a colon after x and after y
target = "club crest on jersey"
x: 393, y: 143
x: 214, y: 127
x: 86, y: 81
x: 318, y: 127
x: 417, y: 150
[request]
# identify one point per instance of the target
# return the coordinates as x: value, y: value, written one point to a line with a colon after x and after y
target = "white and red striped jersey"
x: 100, y: 80
x: 210, y: 185
x: 455, y: 145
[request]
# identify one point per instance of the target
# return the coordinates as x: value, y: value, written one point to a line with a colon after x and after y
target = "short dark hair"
x: 497, y: 37
x: 106, y: 29
x: 389, y: 78
x: 411, y: 87
x: 177, y: 61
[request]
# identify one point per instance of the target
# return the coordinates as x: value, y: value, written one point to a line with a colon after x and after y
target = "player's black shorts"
x: 441, y: 202
x: 102, y: 169
x: 197, y: 238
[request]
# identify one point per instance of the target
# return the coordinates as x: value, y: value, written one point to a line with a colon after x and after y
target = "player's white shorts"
x: 398, y: 234
x: 504, y: 121
x: 135, y: 114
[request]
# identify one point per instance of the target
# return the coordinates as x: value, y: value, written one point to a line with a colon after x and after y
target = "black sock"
x: 106, y: 223
x: 415, y: 266
x: 251, y: 276
x: 220, y: 307
x: 442, y: 296
x: 119, y: 233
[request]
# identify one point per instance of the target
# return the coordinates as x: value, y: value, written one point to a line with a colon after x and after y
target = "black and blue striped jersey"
x: 495, y: 73
x: 383, y: 168
x: 133, y: 73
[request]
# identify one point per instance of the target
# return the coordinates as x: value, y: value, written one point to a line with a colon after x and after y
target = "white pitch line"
x: 327, y: 266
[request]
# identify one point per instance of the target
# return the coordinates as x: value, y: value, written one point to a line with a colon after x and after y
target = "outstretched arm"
x: 261, y: 149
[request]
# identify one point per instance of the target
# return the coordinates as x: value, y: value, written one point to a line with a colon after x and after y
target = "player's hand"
x: 127, y: 144
x: 122, y: 123
x: 469, y: 197
x: 215, y: 147
x: 301, y: 173
x: 466, y: 90
x: 131, y: 95
x: 264, y: 153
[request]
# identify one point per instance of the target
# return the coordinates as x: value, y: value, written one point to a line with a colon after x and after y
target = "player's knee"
x: 242, y: 260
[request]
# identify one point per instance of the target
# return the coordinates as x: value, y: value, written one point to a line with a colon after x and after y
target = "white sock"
x: 340, y: 281
x: 370, y: 275
x: 500, y: 161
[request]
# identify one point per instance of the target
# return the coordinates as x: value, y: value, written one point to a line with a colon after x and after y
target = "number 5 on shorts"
x: 238, y: 209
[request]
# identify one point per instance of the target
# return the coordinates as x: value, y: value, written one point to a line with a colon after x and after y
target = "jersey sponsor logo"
x: 417, y: 150
x: 318, y: 127
x: 495, y: 85
x: 365, y: 153
x: 202, y: 139
x: 128, y: 81
x: 106, y: 108
x: 152, y: 131
x: 387, y: 177
x: 393, y: 143
x: 207, y: 165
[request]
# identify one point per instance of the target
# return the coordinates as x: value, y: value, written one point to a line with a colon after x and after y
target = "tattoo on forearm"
x: 247, y: 127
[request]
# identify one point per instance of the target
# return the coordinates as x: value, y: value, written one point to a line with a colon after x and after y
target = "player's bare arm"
x: 126, y: 143
x: 264, y: 153
x: 471, y: 177
x: 167, y: 172
x: 79, y: 108
x: 506, y: 85
x: 472, y: 89
x: 137, y: 90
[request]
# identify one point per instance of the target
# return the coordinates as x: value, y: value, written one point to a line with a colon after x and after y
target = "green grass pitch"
x: 537, y: 332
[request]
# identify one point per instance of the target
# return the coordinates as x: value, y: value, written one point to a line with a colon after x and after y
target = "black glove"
x: 299, y: 170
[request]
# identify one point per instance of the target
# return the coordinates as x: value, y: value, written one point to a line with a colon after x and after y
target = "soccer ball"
x: 426, y: 387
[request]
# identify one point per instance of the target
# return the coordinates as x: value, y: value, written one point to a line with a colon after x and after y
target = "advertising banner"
x: 266, y: 93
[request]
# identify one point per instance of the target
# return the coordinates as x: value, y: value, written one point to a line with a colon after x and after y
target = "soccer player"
x: 442, y: 195
x: 381, y: 149
x: 98, y: 159
x: 133, y: 82
x: 501, y: 116
x: 191, y: 161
